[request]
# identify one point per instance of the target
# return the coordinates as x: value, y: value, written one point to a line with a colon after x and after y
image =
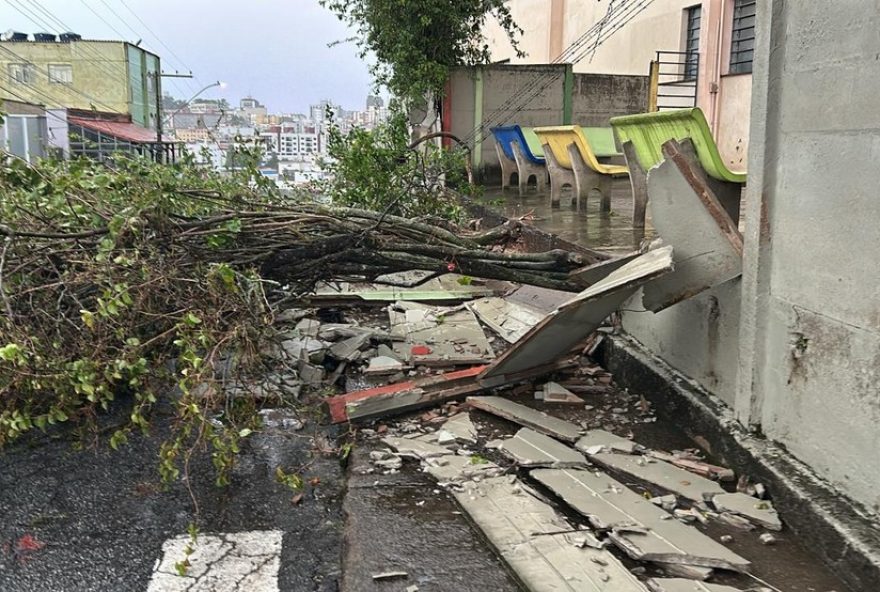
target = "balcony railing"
x: 674, y: 76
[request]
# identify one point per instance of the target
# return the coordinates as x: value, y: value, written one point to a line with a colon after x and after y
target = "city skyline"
x: 283, y: 58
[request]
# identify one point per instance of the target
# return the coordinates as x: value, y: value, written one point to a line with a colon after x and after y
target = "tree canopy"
x: 416, y: 42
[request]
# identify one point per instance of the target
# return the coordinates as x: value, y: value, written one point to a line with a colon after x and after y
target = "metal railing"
x: 674, y: 76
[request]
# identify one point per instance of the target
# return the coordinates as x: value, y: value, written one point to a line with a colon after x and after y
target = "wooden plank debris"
x: 528, y: 417
x: 508, y: 319
x: 641, y: 529
x: 687, y: 215
x: 531, y: 449
x: 403, y: 396
x: 430, y: 335
x: 682, y: 585
x: 760, y: 512
x: 660, y: 473
x: 526, y: 533
x: 573, y: 322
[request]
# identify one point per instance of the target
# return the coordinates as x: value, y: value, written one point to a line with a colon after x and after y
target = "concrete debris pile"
x: 522, y: 491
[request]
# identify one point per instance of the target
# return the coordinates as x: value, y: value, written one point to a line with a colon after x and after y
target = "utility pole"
x: 157, y: 87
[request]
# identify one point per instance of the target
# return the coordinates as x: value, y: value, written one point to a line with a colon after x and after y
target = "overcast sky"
x: 274, y: 50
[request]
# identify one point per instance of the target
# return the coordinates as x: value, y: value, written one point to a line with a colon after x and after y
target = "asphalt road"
x: 96, y: 520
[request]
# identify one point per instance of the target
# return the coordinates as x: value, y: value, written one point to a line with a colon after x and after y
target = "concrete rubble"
x: 528, y: 448
x: 684, y: 585
x: 660, y: 473
x: 526, y: 416
x: 511, y: 321
x: 759, y: 512
x: 437, y: 336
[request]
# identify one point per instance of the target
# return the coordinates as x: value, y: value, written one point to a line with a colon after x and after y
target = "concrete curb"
x: 840, y: 532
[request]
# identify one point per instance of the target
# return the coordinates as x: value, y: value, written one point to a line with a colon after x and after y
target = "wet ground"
x: 421, y: 519
x: 96, y: 520
x: 587, y: 226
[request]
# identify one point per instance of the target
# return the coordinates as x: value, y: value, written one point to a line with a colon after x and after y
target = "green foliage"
x: 376, y: 170
x: 416, y: 42
x: 101, y: 299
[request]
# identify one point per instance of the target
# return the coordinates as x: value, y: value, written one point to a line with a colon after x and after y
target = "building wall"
x: 107, y: 76
x: 724, y: 98
x: 812, y: 297
x: 596, y: 98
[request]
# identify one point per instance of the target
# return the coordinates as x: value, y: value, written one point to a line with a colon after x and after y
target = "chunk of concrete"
x: 556, y: 393
x: 525, y: 532
x: 308, y: 328
x: 531, y: 449
x: 687, y: 215
x: 508, y: 319
x: 682, y: 585
x: 437, y: 336
x: 605, y: 441
x: 414, y: 447
x: 461, y: 426
x: 528, y: 417
x: 760, y: 512
x: 383, y: 365
x: 641, y: 529
x: 456, y: 469
x: 660, y: 473
x: 573, y: 322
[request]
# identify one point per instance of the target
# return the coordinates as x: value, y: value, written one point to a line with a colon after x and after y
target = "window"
x: 692, y: 42
x: 742, y: 41
x: 61, y: 73
x: 22, y: 73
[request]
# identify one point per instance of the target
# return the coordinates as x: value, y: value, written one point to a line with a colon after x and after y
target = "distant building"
x: 374, y: 102
x: 71, y: 72
x: 24, y: 131
x: 252, y: 111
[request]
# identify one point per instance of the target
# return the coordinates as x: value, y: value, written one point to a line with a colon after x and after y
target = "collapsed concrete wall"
x: 794, y: 346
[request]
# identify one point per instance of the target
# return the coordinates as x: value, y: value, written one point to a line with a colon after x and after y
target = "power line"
x: 31, y: 15
x: 69, y: 88
x: 617, y: 16
x: 105, y: 21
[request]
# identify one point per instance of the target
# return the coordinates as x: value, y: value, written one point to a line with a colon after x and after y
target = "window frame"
x: 52, y: 80
x: 23, y: 67
x: 742, y: 36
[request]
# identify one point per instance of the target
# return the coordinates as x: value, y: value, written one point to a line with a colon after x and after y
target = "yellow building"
x: 69, y: 72
x: 700, y: 51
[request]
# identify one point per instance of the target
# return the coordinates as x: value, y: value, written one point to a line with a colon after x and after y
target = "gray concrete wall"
x: 596, y: 98
x: 813, y: 309
x: 698, y: 337
x: 794, y: 346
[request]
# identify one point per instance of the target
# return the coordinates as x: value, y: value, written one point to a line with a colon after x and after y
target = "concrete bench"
x: 520, y: 152
x: 573, y: 154
x: 642, y: 137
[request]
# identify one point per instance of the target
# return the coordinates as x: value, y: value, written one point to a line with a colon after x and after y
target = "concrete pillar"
x: 557, y: 29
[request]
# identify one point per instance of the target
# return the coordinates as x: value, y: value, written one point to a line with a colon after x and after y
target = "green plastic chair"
x: 533, y: 142
x: 602, y: 141
x: 649, y: 131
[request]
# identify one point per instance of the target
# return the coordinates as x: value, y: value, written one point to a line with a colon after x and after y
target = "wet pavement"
x: 96, y: 520
x: 421, y: 519
x: 587, y: 226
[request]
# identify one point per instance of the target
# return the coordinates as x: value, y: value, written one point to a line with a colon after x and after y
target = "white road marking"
x: 222, y: 562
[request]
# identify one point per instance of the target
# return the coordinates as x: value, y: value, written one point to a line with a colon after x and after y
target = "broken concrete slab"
x: 349, y: 349
x: 554, y: 392
x: 508, y: 319
x: 437, y: 336
x: 528, y: 417
x: 531, y: 449
x: 524, y: 531
x: 415, y: 447
x: 589, y: 275
x: 381, y: 365
x: 640, y: 528
x: 660, y: 473
x: 461, y: 426
x: 308, y: 328
x: 573, y: 322
x: 446, y: 288
x: 455, y: 469
x: 760, y: 512
x: 687, y: 214
x: 682, y: 585
x: 594, y: 441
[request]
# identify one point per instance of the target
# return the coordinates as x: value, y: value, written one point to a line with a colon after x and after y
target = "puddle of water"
x: 586, y: 226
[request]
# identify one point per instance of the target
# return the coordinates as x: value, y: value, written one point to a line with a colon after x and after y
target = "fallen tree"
x: 144, y: 280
